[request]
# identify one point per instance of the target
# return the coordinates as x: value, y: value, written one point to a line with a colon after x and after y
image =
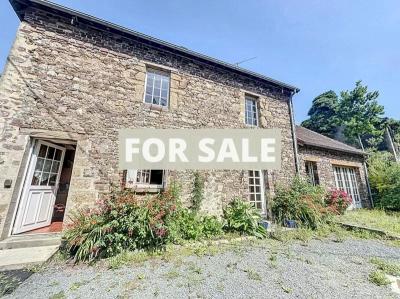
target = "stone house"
x: 72, y: 81
x: 334, y: 165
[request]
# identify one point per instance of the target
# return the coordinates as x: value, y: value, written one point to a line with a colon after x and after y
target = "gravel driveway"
x: 262, y: 269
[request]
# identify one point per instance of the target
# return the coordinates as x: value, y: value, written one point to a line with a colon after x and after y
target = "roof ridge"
x: 102, y: 22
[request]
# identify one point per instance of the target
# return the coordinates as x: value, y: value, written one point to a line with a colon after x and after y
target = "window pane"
x: 58, y: 155
x: 50, y: 153
x: 44, y: 179
x: 47, y: 165
x: 52, y: 179
x: 42, y: 151
x: 39, y: 164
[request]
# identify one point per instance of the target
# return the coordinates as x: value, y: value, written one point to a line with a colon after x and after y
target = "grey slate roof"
x: 20, y: 6
x: 311, y: 138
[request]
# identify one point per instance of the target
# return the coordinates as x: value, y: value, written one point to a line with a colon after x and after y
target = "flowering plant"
x: 338, y: 201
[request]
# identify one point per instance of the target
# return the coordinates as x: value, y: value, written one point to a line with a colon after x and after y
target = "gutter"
x: 293, y: 127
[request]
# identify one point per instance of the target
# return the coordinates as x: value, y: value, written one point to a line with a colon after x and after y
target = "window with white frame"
x: 157, y: 88
x: 145, y: 178
x: 345, y: 178
x: 312, y: 172
x: 251, y: 111
x: 256, y: 189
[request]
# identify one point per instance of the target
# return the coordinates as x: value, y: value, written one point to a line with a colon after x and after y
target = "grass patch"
x: 172, y: 274
x: 377, y: 219
x: 76, y: 285
x: 59, y: 295
x: 253, y: 275
x: 386, y: 267
x: 379, y: 278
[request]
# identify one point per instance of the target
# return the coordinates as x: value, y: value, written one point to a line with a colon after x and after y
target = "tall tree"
x: 323, y: 114
x: 361, y: 115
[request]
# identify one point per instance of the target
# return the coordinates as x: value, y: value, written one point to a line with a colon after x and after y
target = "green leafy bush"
x: 188, y: 225
x: 240, y: 216
x: 125, y: 222
x: 384, y: 177
x: 300, y: 201
x: 120, y: 222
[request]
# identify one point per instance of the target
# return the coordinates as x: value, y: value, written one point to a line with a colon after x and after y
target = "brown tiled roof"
x: 311, y: 138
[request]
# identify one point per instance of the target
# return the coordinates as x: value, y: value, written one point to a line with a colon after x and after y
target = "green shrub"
x: 188, y: 225
x: 384, y: 177
x: 379, y: 278
x: 120, y: 222
x: 300, y: 201
x: 240, y: 216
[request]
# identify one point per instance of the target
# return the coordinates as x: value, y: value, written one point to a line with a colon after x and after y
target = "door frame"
x: 29, y: 167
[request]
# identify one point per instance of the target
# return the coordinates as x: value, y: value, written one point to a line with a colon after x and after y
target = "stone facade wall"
x: 85, y: 84
x: 326, y: 159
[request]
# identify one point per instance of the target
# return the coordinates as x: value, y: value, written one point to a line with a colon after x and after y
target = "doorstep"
x: 20, y: 258
x: 31, y: 240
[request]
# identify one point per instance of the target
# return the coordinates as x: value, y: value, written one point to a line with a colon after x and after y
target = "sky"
x: 316, y: 45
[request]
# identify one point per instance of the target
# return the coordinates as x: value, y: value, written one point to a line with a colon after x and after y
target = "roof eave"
x: 360, y: 153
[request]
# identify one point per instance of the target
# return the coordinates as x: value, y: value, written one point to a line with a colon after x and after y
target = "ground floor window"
x: 256, y: 189
x: 145, y: 178
x: 312, y: 172
x: 345, y: 178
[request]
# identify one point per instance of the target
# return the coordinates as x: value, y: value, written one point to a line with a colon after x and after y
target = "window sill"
x: 156, y: 107
x: 149, y: 189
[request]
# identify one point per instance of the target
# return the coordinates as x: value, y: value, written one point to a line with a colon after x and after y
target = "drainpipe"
x: 293, y: 127
x: 371, y: 200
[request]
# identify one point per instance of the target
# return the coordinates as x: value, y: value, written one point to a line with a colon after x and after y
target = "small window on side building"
x: 312, y: 172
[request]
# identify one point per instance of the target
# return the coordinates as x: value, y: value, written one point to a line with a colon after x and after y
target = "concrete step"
x: 19, y: 258
x: 31, y: 240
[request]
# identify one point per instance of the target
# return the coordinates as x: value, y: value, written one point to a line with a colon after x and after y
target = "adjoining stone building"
x: 72, y: 81
x: 333, y: 164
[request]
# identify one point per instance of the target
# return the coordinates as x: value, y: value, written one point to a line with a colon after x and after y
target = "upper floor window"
x: 157, y: 88
x: 251, y: 111
x: 312, y: 172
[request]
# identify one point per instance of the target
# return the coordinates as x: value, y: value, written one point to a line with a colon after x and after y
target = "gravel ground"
x: 263, y: 269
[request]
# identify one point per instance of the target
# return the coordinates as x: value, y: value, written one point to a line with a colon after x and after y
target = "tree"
x: 323, y: 114
x: 361, y: 115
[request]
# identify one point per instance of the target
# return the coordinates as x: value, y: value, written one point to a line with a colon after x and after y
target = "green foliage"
x: 300, y: 201
x: 188, y: 225
x: 387, y: 267
x: 323, y: 114
x: 356, y: 111
x: 240, y: 216
x: 384, y: 177
x: 379, y: 278
x: 120, y: 222
x: 361, y: 115
x: 197, y: 193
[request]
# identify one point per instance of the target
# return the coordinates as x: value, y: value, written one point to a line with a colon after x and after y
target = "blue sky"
x: 314, y: 45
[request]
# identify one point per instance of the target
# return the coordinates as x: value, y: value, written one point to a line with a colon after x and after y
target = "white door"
x: 40, y: 187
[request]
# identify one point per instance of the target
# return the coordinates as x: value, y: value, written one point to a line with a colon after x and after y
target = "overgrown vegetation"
x: 384, y: 177
x: 242, y: 217
x: 309, y: 205
x: 377, y: 219
x: 197, y: 193
x: 379, y: 278
x: 124, y: 222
